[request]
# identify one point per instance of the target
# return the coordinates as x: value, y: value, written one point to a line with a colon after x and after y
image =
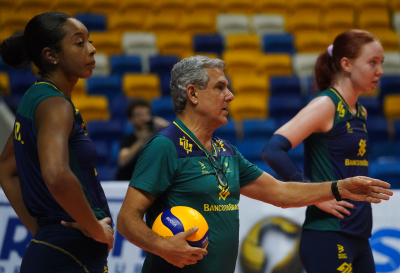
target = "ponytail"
x: 324, y: 72
x: 13, y: 52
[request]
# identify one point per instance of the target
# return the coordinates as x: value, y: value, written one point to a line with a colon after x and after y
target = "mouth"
x: 225, y: 109
x: 375, y: 83
x: 92, y: 64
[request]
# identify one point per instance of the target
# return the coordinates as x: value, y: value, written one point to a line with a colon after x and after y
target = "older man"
x: 185, y: 165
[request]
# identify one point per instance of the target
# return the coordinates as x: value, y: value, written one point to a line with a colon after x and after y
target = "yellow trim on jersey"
x: 212, y: 144
x: 340, y: 97
x: 51, y: 85
x: 62, y: 250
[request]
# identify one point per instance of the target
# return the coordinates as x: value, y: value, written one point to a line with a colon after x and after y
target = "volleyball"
x: 180, y: 218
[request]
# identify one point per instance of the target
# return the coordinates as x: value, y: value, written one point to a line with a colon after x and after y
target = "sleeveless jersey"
x: 82, y: 160
x: 340, y: 153
x: 174, y: 167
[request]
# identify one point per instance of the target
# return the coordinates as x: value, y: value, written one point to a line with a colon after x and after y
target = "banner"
x: 277, y: 243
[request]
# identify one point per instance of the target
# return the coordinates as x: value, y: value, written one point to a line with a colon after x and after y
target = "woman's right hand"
x: 107, y: 237
x: 336, y: 208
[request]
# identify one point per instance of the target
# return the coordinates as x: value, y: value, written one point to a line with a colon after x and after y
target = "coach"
x: 185, y: 165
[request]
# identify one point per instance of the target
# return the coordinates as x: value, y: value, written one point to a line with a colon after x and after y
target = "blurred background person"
x: 145, y: 126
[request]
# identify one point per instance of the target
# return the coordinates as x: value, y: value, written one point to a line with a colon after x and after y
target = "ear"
x: 191, y: 92
x: 346, y: 65
x: 49, y: 55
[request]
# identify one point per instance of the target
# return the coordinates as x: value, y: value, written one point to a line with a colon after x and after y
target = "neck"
x: 65, y: 84
x: 197, y: 127
x: 349, y: 93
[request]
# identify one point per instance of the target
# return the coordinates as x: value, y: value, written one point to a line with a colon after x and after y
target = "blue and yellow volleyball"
x: 180, y: 218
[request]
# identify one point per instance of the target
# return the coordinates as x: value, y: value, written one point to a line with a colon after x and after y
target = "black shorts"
x: 335, y: 252
x: 56, y: 248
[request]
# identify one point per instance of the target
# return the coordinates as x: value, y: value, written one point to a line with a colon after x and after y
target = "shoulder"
x: 224, y: 147
x: 320, y: 105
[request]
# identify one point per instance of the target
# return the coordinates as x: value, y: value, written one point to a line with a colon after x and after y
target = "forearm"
x: 66, y: 188
x: 135, y: 230
x: 294, y: 194
x: 127, y: 154
x: 12, y: 190
x: 275, y: 154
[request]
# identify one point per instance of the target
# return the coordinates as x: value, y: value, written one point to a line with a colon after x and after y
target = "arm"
x: 127, y: 153
x: 54, y: 121
x: 293, y: 194
x: 316, y: 117
x: 174, y: 250
x: 9, y: 181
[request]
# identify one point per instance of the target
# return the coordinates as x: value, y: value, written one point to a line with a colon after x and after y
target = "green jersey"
x: 174, y: 167
x: 340, y: 153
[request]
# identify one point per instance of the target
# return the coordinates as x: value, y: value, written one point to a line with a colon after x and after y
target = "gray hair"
x: 191, y: 70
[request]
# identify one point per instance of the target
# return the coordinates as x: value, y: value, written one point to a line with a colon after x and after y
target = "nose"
x: 92, y: 50
x: 229, y: 97
x: 380, y: 70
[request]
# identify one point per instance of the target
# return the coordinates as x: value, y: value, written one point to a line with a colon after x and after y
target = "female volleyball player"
x: 47, y: 168
x: 336, y: 146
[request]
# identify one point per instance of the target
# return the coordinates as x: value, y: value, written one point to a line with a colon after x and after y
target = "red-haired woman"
x: 336, y: 146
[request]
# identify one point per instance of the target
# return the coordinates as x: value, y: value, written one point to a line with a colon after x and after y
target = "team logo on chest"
x: 349, y: 129
x: 220, y: 145
x: 185, y: 144
x: 224, y: 192
x: 341, y: 109
x: 345, y: 268
x: 362, y: 150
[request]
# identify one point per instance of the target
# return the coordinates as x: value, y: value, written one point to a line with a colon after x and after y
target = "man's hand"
x: 335, y: 208
x: 362, y: 188
x: 178, y: 252
x: 106, y: 238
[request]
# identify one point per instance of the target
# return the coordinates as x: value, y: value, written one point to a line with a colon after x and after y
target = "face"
x: 367, y: 68
x: 213, y: 102
x: 77, y: 57
x: 140, y: 117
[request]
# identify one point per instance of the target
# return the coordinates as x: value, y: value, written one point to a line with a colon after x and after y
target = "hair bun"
x: 13, y: 52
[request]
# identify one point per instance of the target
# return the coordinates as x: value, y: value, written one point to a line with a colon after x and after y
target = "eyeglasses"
x: 219, y: 171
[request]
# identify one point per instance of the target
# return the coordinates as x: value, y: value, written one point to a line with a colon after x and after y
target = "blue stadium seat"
x: 165, y: 80
x: 261, y: 129
x: 278, y: 43
x: 283, y: 107
x: 93, y: 21
x: 162, y: 64
x: 377, y: 127
x: 251, y: 149
x: 389, y: 85
x: 118, y: 106
x: 121, y: 64
x: 386, y: 169
x: 209, y: 44
x: 21, y: 80
x: 265, y: 167
x: 384, y: 149
x: 227, y: 132
x: 108, y: 131
x: 284, y: 85
x: 164, y: 108
x: 373, y: 105
x: 110, y: 86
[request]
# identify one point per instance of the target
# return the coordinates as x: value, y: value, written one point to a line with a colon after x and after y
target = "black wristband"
x: 335, y: 191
